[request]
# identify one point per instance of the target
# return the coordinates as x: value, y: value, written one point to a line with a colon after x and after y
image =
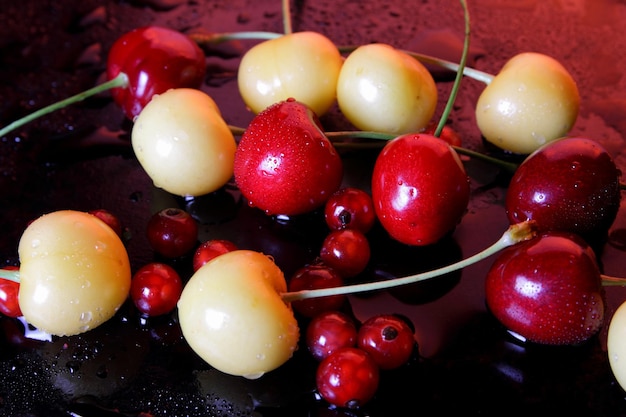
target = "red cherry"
x: 211, y: 249
x: 388, y: 339
x: 329, y: 331
x: 172, y: 232
x: 348, y: 378
x: 420, y: 189
x: 110, y: 219
x: 447, y: 134
x: 350, y: 208
x: 547, y: 290
x: 9, y: 303
x: 311, y: 277
x: 346, y: 251
x: 155, y: 59
x: 155, y: 289
x: 571, y: 185
x: 284, y: 163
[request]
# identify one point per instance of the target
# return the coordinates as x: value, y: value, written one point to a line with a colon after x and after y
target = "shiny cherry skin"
x: 211, y: 249
x: 570, y: 184
x: 155, y: 59
x: 388, y: 339
x: 172, y: 232
x: 419, y: 188
x: 547, y: 290
x: 350, y: 208
x: 110, y: 219
x: 155, y: 289
x: 347, y: 251
x: 348, y: 378
x: 316, y: 276
x: 329, y: 331
x: 285, y: 164
x: 9, y: 304
x: 447, y: 134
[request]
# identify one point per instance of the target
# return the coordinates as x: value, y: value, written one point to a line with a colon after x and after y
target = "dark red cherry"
x: 155, y: 289
x: 347, y: 251
x: 155, y: 59
x: 571, y: 185
x: 329, y: 331
x: 420, y: 189
x: 348, y: 378
x: 388, y: 339
x: 284, y: 162
x: 350, y: 208
x: 172, y: 232
x: 9, y: 303
x: 547, y: 290
x: 311, y: 277
x: 211, y: 249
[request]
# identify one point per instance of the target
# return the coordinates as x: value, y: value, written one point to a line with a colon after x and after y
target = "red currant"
x: 155, y: 289
x: 388, y: 339
x: 350, y: 208
x: 110, y: 219
x: 211, y: 249
x: 328, y: 332
x: 348, y: 378
x: 172, y: 232
x: 347, y: 251
x: 311, y: 277
x: 9, y: 303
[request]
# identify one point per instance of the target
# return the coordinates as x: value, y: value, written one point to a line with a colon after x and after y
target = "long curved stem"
x: 120, y: 81
x: 514, y: 234
x: 216, y: 38
x: 287, y: 27
x: 10, y: 274
x: 459, y: 73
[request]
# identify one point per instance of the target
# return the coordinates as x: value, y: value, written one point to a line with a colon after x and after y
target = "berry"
x: 347, y: 251
x: 388, y: 339
x: 312, y: 277
x: 348, y: 378
x: 172, y: 232
x: 350, y: 208
x: 9, y: 304
x: 329, y: 331
x: 211, y: 249
x: 155, y: 289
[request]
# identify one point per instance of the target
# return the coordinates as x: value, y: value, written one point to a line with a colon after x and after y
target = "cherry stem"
x: 514, y: 234
x: 214, y: 38
x: 10, y: 274
x: 287, y: 28
x: 120, y: 81
x: 459, y: 74
x: 609, y: 281
x: 508, y: 166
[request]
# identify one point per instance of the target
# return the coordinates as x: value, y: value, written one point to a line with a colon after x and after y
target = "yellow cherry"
x: 532, y: 101
x: 183, y: 143
x: 74, y: 272
x: 300, y: 65
x: 383, y: 89
x: 232, y: 314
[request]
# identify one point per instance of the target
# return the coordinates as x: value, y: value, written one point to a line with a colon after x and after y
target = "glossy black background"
x: 80, y: 159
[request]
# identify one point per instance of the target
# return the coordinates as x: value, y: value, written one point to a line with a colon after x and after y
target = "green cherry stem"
x: 10, y: 274
x: 215, y: 38
x: 514, y: 234
x: 120, y: 81
x: 609, y: 281
x: 459, y: 73
x: 287, y: 27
